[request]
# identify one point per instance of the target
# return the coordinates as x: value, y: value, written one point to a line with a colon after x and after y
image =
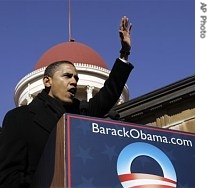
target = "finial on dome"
x: 72, y: 40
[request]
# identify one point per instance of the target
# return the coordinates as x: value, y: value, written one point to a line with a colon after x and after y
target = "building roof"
x: 176, y: 92
x: 72, y: 51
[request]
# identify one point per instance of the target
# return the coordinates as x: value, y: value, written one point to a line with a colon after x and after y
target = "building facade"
x: 171, y: 107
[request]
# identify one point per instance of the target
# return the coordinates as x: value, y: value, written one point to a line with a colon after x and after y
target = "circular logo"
x: 143, y: 180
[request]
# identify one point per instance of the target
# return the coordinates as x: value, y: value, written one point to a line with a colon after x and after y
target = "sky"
x: 163, y: 38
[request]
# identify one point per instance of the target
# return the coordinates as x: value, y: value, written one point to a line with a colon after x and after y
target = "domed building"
x: 92, y: 71
x: 171, y: 107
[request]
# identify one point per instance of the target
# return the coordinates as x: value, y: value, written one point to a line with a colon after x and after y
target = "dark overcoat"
x: 26, y: 129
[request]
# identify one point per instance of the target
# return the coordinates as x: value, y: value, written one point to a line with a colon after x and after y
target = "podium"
x: 87, y: 152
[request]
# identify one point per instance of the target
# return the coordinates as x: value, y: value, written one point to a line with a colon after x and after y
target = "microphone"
x: 113, y: 114
x: 84, y: 107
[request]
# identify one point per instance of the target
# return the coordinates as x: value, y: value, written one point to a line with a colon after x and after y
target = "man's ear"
x: 47, y: 81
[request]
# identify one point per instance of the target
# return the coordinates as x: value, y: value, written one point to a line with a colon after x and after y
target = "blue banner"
x: 103, y: 153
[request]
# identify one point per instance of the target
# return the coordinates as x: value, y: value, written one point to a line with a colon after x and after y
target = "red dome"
x: 73, y: 51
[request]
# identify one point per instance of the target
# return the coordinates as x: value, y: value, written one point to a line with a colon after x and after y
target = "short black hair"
x: 51, y: 68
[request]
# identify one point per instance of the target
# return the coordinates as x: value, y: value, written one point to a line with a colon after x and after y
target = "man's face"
x: 63, y: 83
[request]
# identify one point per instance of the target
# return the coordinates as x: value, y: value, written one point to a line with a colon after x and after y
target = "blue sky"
x: 163, y: 38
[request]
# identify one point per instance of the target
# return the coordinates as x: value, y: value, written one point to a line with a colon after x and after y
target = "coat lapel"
x: 47, y: 111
